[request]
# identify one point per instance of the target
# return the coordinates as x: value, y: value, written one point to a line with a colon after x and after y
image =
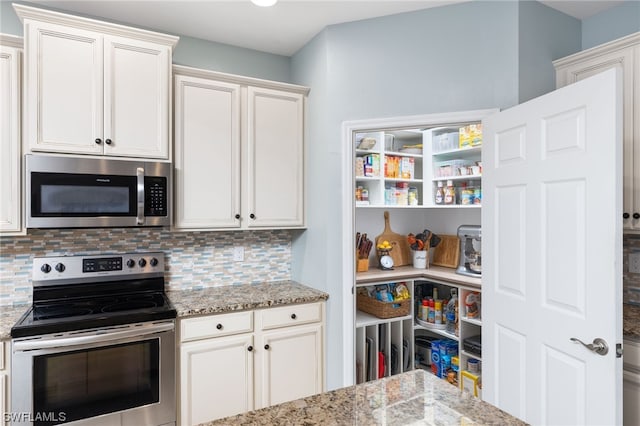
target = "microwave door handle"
x: 97, y: 337
x: 140, y: 176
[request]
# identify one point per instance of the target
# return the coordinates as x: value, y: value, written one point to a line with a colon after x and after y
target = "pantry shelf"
x: 438, y: 331
x: 472, y: 321
x: 455, y: 178
x: 364, y: 319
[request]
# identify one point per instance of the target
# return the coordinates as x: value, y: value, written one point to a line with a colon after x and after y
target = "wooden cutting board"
x: 401, y: 253
x: 447, y: 253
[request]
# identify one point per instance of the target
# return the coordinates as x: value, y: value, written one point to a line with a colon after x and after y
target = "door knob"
x: 598, y: 346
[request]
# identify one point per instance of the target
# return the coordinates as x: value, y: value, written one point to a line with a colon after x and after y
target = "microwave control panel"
x: 155, y: 196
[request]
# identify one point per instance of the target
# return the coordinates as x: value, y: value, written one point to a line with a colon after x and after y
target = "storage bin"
x: 453, y: 168
x: 445, y: 142
x: 380, y: 309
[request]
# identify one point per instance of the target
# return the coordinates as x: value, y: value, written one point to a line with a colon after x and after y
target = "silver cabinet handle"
x: 598, y: 346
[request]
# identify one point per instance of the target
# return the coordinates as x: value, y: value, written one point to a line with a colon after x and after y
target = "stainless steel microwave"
x: 72, y: 192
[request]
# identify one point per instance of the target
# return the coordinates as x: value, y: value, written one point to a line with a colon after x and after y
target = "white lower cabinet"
x: 242, y: 361
x: 216, y: 378
x: 4, y: 380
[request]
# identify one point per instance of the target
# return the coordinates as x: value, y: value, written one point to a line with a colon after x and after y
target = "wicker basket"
x: 383, y: 309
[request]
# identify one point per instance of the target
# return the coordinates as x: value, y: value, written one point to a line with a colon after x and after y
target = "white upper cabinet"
x: 95, y: 88
x: 239, y: 152
x: 10, y: 187
x: 207, y: 153
x: 275, y: 158
x: 623, y: 54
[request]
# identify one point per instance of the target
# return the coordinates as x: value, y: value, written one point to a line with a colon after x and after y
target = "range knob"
x: 153, y: 261
x: 131, y: 263
x: 60, y: 267
x: 46, y: 268
x: 142, y: 263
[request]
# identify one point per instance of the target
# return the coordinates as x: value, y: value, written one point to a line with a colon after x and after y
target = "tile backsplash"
x: 192, y: 259
x: 631, y: 282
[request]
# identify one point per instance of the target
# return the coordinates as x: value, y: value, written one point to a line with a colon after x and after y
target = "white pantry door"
x: 552, y: 243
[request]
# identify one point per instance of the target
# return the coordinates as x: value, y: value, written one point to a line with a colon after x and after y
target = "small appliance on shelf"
x: 470, y: 251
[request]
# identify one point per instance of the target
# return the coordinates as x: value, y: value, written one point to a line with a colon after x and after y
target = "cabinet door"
x: 63, y: 89
x: 275, y: 158
x: 291, y: 364
x: 216, y: 378
x: 10, y: 139
x: 207, y: 153
x: 136, y: 92
x: 622, y: 59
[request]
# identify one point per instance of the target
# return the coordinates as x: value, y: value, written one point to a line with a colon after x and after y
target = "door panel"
x: 292, y: 365
x: 552, y: 231
x: 275, y: 158
x: 64, y: 100
x: 207, y: 153
x: 216, y: 378
x: 136, y: 98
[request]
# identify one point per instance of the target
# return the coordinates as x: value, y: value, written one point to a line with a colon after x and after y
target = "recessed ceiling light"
x: 264, y: 3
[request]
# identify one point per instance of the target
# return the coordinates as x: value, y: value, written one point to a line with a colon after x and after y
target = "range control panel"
x: 85, y: 267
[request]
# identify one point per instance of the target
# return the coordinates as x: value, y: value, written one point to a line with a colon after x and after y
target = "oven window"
x: 84, y: 199
x: 88, y: 383
x: 79, y: 195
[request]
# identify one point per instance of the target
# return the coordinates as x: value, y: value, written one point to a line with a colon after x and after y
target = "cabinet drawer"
x: 291, y: 315
x: 216, y: 325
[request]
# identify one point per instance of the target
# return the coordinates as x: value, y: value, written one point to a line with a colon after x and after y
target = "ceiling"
x: 282, y: 29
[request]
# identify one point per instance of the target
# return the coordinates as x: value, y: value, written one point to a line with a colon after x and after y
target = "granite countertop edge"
x: 211, y: 300
x: 226, y: 299
x: 413, y: 397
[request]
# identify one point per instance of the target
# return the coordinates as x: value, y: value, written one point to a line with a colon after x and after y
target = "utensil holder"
x: 362, y: 265
x: 420, y: 259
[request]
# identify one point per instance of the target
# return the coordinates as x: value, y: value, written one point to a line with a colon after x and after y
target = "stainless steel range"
x: 98, y: 343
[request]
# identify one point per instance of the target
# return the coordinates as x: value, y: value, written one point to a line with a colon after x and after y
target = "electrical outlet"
x: 238, y: 254
x: 634, y: 263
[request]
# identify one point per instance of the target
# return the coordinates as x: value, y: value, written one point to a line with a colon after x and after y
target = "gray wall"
x: 611, y: 24
x: 544, y: 35
x: 192, y: 51
x: 452, y: 58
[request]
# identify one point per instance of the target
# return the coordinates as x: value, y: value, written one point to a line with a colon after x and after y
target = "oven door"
x: 122, y: 375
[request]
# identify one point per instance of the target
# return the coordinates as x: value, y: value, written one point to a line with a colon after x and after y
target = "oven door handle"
x: 140, y: 212
x: 96, y: 337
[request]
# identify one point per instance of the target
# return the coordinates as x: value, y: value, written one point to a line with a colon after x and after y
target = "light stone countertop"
x: 217, y: 300
x: 414, y: 397
x: 9, y: 315
x: 210, y: 300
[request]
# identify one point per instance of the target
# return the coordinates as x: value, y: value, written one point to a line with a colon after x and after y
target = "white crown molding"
x: 42, y: 15
x: 237, y: 79
x: 621, y: 43
x: 12, y: 41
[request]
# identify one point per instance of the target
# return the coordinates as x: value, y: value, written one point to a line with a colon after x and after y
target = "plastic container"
x: 473, y: 365
x: 439, y: 198
x: 438, y: 313
x: 449, y: 194
x: 424, y: 310
x: 466, y: 194
x: 413, y: 196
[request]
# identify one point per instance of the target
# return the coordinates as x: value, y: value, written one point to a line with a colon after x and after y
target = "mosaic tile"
x: 192, y: 259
